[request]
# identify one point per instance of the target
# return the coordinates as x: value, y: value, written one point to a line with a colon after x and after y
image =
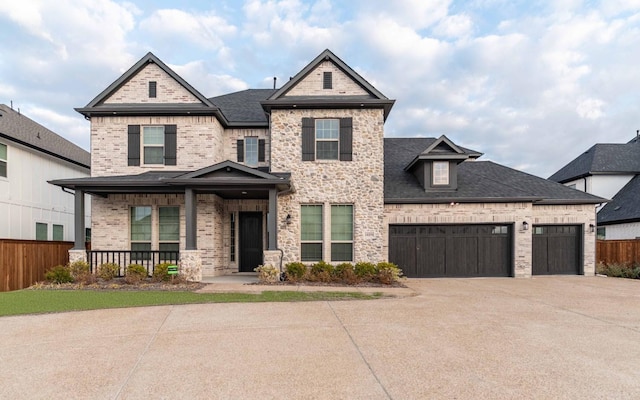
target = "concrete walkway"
x: 540, y: 338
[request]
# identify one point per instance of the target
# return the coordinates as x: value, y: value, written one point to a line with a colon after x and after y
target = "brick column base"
x: 191, y: 265
x: 77, y: 255
x: 272, y: 257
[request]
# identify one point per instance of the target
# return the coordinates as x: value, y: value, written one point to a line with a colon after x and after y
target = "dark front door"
x: 557, y: 249
x: 250, y: 241
x: 451, y: 250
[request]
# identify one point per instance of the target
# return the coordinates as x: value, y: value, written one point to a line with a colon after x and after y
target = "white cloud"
x: 590, y: 108
x: 454, y: 26
x: 198, y: 74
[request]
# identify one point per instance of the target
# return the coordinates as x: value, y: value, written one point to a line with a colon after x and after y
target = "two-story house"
x: 30, y: 156
x: 304, y: 173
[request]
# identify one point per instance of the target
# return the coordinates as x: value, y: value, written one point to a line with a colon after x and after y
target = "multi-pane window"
x: 153, y: 144
x: 327, y: 139
x: 440, y: 172
x: 3, y: 160
x: 169, y: 224
x: 58, y: 232
x: 141, y: 228
x: 341, y: 233
x: 87, y: 234
x: 251, y: 151
x: 41, y: 231
x: 311, y: 238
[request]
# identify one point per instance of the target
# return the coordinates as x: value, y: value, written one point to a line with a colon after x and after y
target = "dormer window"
x: 327, y: 80
x: 152, y: 89
x: 440, y: 173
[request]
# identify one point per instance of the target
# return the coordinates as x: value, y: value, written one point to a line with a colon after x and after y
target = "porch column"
x: 191, y: 212
x: 272, y: 221
x: 78, y: 226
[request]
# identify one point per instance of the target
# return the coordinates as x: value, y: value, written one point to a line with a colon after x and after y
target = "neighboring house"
x: 611, y: 171
x: 303, y: 173
x: 31, y: 155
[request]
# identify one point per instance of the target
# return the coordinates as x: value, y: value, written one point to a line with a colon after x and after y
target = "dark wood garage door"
x: 424, y: 251
x: 557, y: 249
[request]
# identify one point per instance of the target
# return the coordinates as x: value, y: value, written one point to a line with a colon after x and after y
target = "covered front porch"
x: 224, y: 218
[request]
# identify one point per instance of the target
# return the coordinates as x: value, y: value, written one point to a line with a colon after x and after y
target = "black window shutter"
x: 170, y: 144
x: 134, y: 145
x: 308, y: 139
x: 240, y: 150
x: 327, y: 81
x: 261, y: 150
x: 346, y: 139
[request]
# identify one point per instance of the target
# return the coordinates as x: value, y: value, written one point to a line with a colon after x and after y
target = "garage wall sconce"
x: 525, y: 226
x: 287, y: 220
x: 592, y: 228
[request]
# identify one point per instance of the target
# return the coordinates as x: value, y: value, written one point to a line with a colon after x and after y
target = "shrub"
x: 321, y: 272
x: 58, y: 274
x: 365, y: 271
x: 135, y: 274
x: 108, y: 271
x: 79, y: 268
x: 388, y: 273
x: 161, y: 272
x: 267, y: 273
x: 344, y: 273
x: 619, y: 270
x: 295, y: 271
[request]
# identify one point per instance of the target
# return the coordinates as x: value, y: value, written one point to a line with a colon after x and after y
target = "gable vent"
x: 327, y: 80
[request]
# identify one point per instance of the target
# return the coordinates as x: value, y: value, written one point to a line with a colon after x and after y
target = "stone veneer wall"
x: 231, y: 137
x: 515, y: 213
x: 199, y: 143
x: 136, y: 90
x: 312, y: 84
x: 358, y: 182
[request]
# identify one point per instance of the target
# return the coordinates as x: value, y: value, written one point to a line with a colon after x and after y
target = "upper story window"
x: 327, y: 139
x: 153, y: 144
x: 42, y: 231
x: 3, y: 160
x: 156, y: 145
x: 440, y: 172
x: 152, y: 89
x: 327, y: 80
x: 251, y: 151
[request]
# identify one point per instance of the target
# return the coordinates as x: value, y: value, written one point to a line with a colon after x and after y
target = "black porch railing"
x: 123, y: 258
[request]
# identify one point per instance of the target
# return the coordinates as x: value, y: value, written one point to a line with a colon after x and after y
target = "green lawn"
x: 46, y: 301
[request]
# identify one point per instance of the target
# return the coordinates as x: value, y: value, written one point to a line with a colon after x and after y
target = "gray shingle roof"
x: 18, y: 128
x: 602, y: 158
x: 624, y: 207
x: 478, y: 181
x: 244, y: 106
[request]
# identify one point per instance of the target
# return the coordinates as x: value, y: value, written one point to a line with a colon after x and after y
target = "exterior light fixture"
x: 525, y: 226
x: 288, y: 219
x: 592, y: 228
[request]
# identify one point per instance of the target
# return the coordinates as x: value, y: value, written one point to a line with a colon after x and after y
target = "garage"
x: 557, y: 249
x: 426, y: 251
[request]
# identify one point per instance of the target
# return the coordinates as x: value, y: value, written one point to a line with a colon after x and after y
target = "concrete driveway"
x: 551, y: 337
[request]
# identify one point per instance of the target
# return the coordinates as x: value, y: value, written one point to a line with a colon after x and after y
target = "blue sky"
x: 530, y: 84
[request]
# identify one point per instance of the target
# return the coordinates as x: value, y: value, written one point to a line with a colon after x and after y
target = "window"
x: 153, y: 144
x: 169, y: 226
x: 140, y: 229
x: 440, y: 172
x: 601, y: 233
x: 341, y: 233
x: 311, y: 239
x: 327, y: 79
x: 251, y: 151
x: 232, y: 245
x: 87, y: 234
x: 58, y: 232
x: 152, y: 89
x: 41, y: 231
x: 327, y: 139
x: 3, y: 160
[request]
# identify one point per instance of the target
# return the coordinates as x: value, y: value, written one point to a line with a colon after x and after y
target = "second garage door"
x: 451, y: 250
x: 557, y: 249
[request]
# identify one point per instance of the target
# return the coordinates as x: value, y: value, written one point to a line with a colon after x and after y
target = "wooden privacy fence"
x: 618, y: 251
x: 24, y: 262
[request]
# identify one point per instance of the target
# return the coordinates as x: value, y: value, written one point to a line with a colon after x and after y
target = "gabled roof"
x: 20, y: 129
x: 624, y: 207
x: 443, y: 149
x: 374, y: 99
x: 230, y: 169
x: 605, y: 158
x: 478, y: 181
x: 98, y: 106
x: 243, y: 108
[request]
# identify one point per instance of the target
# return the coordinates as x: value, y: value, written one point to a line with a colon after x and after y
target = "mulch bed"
x: 330, y: 284
x: 120, y: 284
